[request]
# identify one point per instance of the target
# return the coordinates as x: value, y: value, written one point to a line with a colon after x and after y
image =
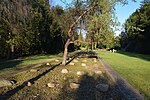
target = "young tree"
x: 70, y: 35
x: 91, y: 7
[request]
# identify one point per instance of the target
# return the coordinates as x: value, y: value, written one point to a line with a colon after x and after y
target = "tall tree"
x: 136, y: 30
x: 90, y: 7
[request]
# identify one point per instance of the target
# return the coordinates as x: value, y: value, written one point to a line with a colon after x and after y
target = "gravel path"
x: 129, y: 92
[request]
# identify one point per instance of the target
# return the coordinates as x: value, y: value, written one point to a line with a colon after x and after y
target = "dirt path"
x: 129, y: 92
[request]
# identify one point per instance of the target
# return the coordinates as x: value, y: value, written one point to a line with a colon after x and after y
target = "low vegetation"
x: 52, y: 74
x: 135, y: 68
x: 11, y: 65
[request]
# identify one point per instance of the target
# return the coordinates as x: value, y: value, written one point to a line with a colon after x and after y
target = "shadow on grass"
x: 9, y: 64
x: 141, y: 56
x: 87, y: 90
x: 10, y: 93
x: 4, y: 64
x: 83, y: 54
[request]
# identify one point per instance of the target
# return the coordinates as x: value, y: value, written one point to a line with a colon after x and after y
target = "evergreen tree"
x: 137, y: 30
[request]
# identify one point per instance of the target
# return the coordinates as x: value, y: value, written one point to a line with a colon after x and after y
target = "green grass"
x: 133, y: 67
x: 25, y: 61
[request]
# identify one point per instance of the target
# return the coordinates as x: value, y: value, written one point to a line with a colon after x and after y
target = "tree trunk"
x: 65, y: 52
x: 69, y: 34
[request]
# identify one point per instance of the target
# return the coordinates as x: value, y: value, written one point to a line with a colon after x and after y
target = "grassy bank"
x: 135, y: 68
x: 86, y: 89
x: 25, y: 61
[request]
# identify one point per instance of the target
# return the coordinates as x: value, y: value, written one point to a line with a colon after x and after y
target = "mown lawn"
x: 135, y: 68
x: 9, y: 65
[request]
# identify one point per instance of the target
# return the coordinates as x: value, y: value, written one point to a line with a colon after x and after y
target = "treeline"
x: 136, y: 37
x: 31, y: 27
x: 34, y: 26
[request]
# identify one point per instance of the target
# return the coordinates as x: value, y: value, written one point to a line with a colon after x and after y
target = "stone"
x: 29, y: 84
x: 64, y: 71
x: 98, y: 72
x: 83, y: 64
x: 95, y: 60
x: 6, y: 83
x: 51, y: 85
x: 57, y: 60
x: 75, y: 60
x: 74, y: 85
x: 65, y: 78
x: 33, y: 70
x: 80, y: 73
x: 85, y: 60
x: 47, y: 64
x: 72, y: 64
x: 102, y: 87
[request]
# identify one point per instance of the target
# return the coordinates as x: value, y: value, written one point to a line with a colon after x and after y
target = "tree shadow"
x: 87, y: 90
x: 82, y: 54
x: 141, y: 56
x: 9, y: 64
x: 10, y: 93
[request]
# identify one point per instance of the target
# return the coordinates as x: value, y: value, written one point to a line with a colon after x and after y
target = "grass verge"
x: 10, y: 65
x: 135, y: 68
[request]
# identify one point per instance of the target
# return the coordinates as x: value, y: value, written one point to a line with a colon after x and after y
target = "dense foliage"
x: 28, y: 27
x: 32, y: 26
x: 99, y: 26
x: 136, y: 37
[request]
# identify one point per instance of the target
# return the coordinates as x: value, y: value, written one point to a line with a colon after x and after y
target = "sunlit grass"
x: 133, y: 67
x: 9, y: 65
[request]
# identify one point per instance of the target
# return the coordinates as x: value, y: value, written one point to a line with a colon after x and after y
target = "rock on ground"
x: 47, y: 64
x: 75, y: 60
x: 29, y: 84
x: 33, y: 70
x: 80, y: 73
x: 72, y: 64
x: 85, y: 60
x: 6, y: 83
x: 98, y: 72
x: 95, y: 60
x: 57, y: 60
x: 83, y: 64
x: 102, y: 87
x: 74, y: 85
x: 51, y: 85
x: 64, y: 71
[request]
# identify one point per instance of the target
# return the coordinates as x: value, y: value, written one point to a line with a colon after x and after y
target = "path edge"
x: 128, y: 91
